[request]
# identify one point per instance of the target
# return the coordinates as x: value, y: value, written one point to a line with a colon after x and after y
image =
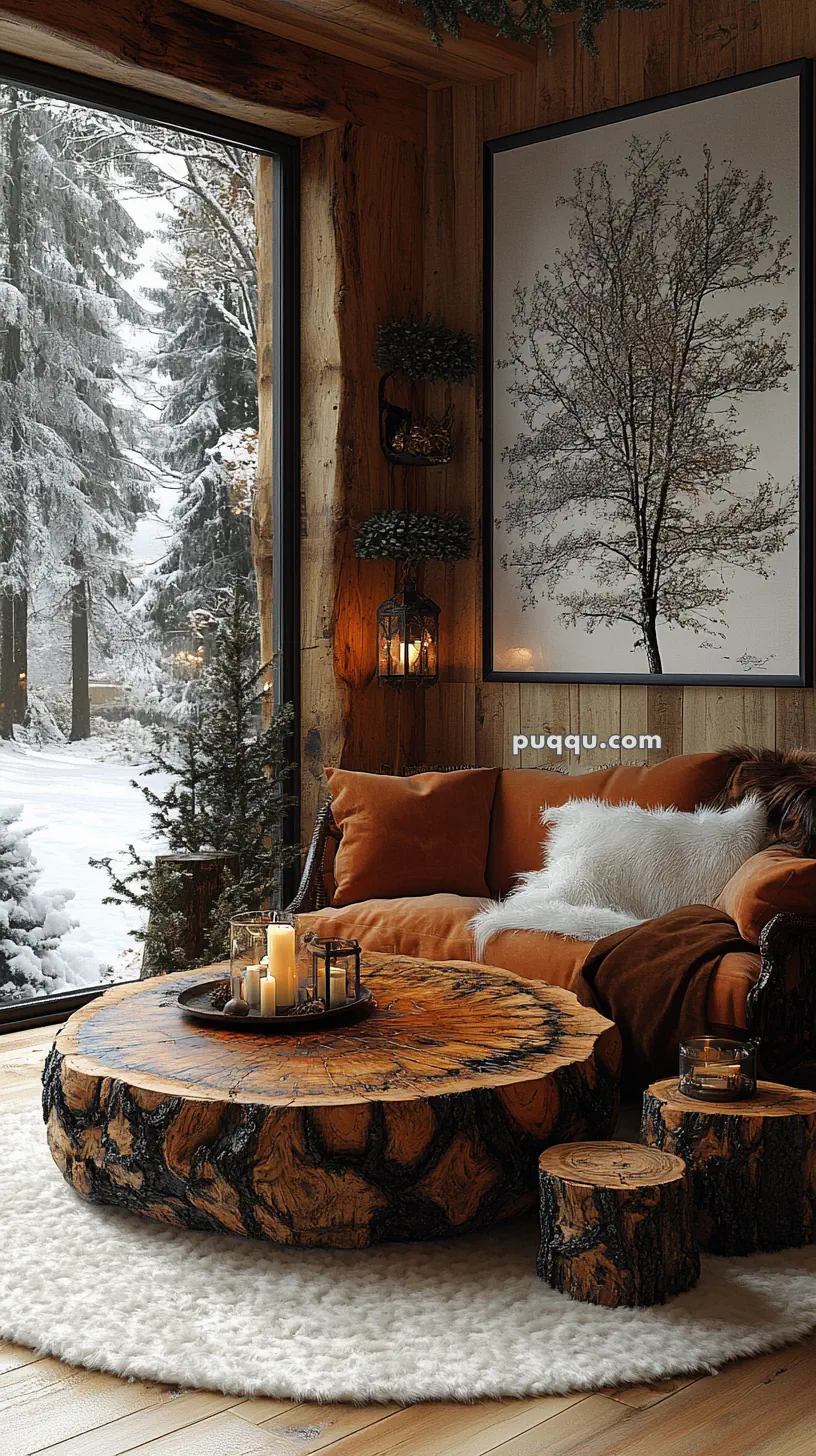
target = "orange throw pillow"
x: 767, y: 883
x: 422, y: 835
x: 517, y: 833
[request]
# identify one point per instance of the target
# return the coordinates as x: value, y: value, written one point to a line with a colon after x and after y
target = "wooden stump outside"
x: 202, y: 878
x: 426, y: 1118
x: 616, y: 1224
x: 753, y: 1163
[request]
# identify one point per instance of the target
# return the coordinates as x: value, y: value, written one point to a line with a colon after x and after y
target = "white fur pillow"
x: 607, y: 866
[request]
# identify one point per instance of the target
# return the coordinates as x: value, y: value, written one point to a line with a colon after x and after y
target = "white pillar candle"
x: 280, y: 948
x: 338, y: 986
x: 252, y: 978
x: 268, y: 996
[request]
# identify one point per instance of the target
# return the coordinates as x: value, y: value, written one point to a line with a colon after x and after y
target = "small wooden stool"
x: 753, y: 1163
x: 616, y: 1223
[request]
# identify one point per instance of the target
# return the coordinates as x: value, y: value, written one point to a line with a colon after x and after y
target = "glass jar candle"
x: 713, y: 1069
x: 263, y: 945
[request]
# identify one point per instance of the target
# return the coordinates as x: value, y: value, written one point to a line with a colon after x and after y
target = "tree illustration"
x: 631, y: 354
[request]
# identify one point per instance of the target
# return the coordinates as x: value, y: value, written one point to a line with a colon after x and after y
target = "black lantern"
x: 408, y: 638
x: 335, y: 972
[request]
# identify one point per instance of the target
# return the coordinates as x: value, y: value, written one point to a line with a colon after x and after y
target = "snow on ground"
x: 83, y: 805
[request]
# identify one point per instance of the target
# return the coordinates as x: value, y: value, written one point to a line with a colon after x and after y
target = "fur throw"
x: 610, y: 866
x: 785, y: 783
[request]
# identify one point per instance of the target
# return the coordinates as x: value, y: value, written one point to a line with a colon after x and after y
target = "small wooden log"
x: 205, y: 876
x: 616, y: 1224
x: 753, y: 1163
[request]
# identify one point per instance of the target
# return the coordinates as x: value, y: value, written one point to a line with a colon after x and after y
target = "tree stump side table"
x: 616, y: 1224
x: 753, y: 1163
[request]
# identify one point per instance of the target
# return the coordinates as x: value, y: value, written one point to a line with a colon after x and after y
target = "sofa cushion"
x: 411, y: 836
x: 516, y: 832
x: 435, y: 927
x: 769, y: 882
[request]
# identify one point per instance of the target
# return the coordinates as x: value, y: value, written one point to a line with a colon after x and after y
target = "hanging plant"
x: 409, y: 536
x: 421, y: 348
x: 425, y: 349
x: 532, y: 20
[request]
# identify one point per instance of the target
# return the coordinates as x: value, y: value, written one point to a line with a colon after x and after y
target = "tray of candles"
x: 213, y: 1001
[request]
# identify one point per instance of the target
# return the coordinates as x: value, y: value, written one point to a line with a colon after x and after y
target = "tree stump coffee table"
x: 425, y: 1118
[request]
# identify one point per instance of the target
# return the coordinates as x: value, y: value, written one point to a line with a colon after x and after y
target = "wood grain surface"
x: 422, y: 1119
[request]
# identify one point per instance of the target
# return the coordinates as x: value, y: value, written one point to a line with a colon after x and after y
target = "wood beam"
x: 380, y: 34
x: 190, y: 55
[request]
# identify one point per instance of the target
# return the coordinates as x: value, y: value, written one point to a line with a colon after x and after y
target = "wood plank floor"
x: 760, y: 1407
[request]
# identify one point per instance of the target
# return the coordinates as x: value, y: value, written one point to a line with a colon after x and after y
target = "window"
x: 147, y: 260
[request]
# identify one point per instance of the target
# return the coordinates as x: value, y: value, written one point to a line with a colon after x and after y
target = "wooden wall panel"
x: 686, y: 43
x: 393, y: 248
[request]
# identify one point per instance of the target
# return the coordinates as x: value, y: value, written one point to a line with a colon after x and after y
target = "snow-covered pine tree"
x: 228, y: 792
x: 208, y: 312
x: 70, y: 250
x: 33, y: 962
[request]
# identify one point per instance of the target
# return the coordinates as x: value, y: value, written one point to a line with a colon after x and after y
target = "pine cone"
x: 221, y: 995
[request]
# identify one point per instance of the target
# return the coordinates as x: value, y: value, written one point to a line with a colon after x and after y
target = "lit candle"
x: 337, y: 986
x: 252, y: 977
x: 268, y: 996
x: 280, y: 948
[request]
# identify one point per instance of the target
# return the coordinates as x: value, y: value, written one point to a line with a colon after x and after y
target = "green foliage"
x: 227, y: 793
x: 425, y: 349
x: 407, y: 536
x: 529, y: 21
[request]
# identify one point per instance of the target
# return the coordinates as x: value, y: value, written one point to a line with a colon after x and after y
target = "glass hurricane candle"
x: 715, y: 1070
x: 263, y: 944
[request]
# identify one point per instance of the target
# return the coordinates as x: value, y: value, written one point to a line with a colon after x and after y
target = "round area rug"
x: 457, y: 1320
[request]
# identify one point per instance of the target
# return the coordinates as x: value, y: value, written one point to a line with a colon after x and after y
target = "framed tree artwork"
x: 648, y: 440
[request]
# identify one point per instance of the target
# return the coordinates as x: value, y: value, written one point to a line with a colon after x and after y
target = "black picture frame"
x: 803, y: 69
x: 145, y: 106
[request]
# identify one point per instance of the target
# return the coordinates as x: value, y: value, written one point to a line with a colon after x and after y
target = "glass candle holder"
x: 263, y: 944
x: 715, y: 1070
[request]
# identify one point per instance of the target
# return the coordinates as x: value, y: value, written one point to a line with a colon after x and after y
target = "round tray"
x: 195, y: 1001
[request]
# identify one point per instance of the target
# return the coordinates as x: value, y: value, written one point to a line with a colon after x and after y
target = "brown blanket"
x: 652, y: 981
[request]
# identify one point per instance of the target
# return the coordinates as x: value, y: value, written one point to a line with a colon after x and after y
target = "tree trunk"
x: 20, y: 637
x: 263, y: 521
x: 616, y: 1224
x: 80, y: 691
x: 14, y: 609
x: 6, y: 664
x: 752, y: 1163
x: 204, y: 876
x: 650, y: 634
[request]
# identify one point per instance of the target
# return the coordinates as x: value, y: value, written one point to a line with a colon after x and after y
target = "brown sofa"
x: 766, y: 992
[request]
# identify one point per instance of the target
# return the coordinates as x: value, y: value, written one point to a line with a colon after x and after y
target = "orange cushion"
x: 768, y: 882
x: 516, y: 831
x: 411, y: 836
x: 435, y: 927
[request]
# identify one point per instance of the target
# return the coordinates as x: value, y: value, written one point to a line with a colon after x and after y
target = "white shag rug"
x: 457, y: 1320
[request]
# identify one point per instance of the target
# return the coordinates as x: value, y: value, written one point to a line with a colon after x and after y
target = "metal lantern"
x: 335, y: 972
x: 408, y: 638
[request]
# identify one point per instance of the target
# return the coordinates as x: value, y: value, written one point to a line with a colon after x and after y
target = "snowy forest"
x: 128, y: 438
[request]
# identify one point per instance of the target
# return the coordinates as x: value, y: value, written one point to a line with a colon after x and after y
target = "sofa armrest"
x: 781, y: 1005
x: 311, y: 892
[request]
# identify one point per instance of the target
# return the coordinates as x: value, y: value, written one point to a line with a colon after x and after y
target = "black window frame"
x: 141, y: 105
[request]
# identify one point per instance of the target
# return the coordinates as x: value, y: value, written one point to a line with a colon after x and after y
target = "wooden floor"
x: 761, y: 1407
